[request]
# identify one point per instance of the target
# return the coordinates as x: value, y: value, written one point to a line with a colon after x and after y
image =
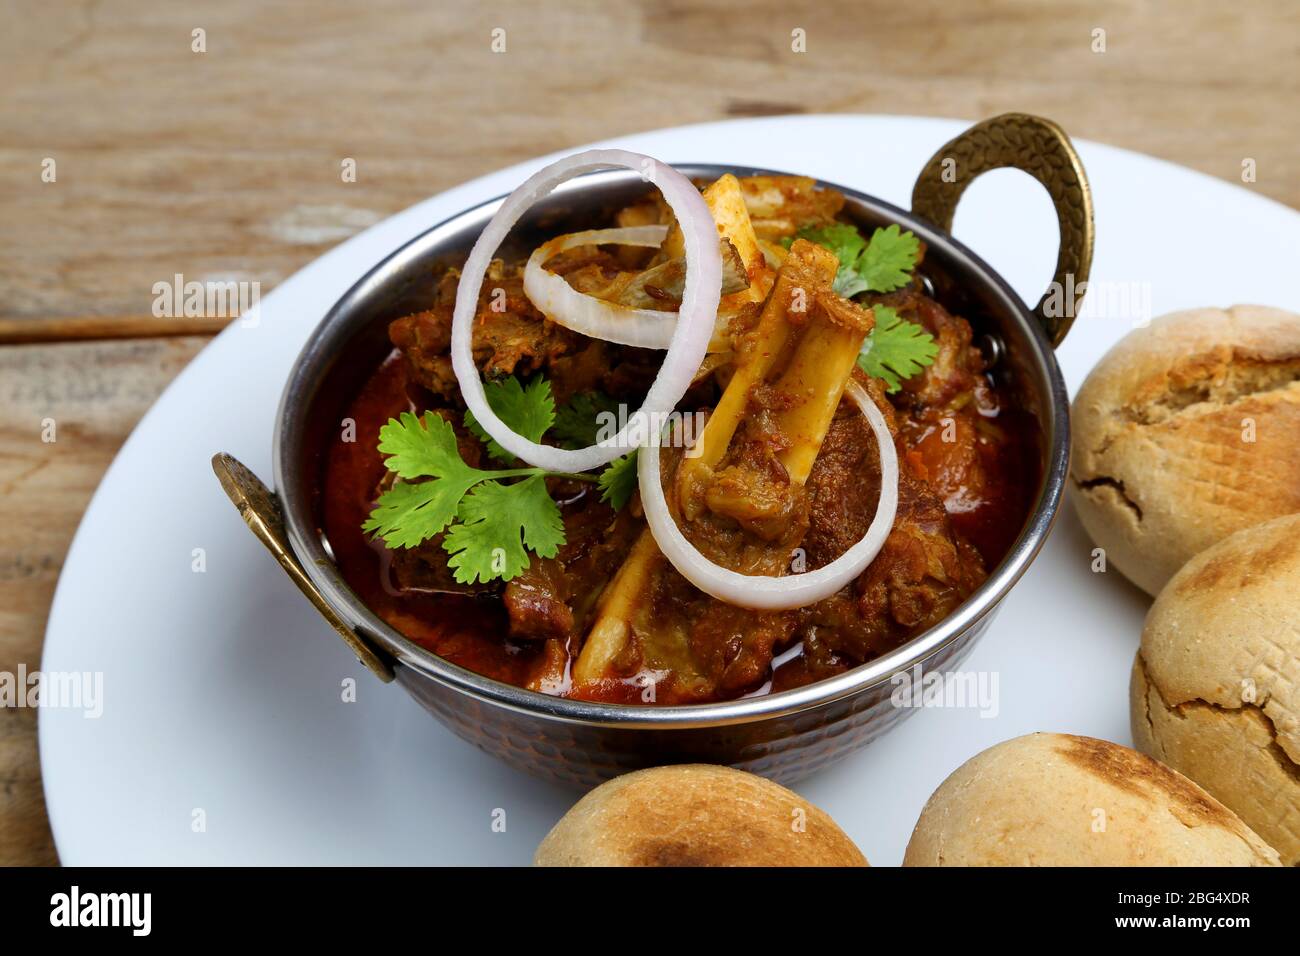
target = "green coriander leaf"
x: 881, y: 265
x: 896, y: 349
x: 618, y: 481
x: 526, y: 410
x: 497, y: 522
x: 488, y: 529
x: 847, y: 244
x: 418, y: 449
x: 888, y: 260
x: 840, y: 238
x: 577, y: 424
x: 409, y: 513
x: 848, y: 283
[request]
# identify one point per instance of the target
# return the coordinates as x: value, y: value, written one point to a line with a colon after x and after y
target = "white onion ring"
x: 592, y: 316
x: 766, y: 592
x: 690, y: 340
x: 586, y: 314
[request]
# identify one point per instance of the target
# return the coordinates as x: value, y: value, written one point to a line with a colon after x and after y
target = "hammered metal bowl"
x: 783, y: 736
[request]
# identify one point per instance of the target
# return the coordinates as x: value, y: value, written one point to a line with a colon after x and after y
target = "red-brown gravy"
x: 472, y: 631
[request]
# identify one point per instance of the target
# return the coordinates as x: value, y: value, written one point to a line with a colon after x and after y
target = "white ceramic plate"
x: 222, y: 689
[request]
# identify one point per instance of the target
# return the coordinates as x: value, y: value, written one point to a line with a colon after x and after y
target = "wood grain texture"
x: 94, y: 393
x: 96, y: 327
x: 227, y: 164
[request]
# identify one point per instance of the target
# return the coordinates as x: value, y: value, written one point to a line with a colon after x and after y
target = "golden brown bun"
x: 695, y: 815
x: 1061, y: 800
x: 1216, y: 686
x: 1160, y: 469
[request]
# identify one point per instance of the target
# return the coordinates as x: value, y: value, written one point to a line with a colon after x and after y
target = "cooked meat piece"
x: 734, y: 645
x: 550, y: 673
x: 537, y: 601
x: 844, y: 484
x: 924, y: 570
x: 961, y: 437
x: 510, y: 336
x: 692, y: 647
x: 423, y: 570
x: 513, y: 338
x: 958, y: 367
x: 553, y: 597
x: 746, y: 515
x: 697, y: 649
x: 920, y: 575
x: 599, y: 538
x: 723, y: 642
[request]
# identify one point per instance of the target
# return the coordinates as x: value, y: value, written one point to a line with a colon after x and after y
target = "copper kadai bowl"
x: 783, y: 736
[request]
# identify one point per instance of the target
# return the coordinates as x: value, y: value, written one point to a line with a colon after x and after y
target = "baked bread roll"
x: 1061, y: 800
x: 695, y: 815
x: 1186, y: 431
x: 1216, y: 685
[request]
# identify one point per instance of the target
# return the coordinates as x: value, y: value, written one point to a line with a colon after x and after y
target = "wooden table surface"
x: 225, y: 164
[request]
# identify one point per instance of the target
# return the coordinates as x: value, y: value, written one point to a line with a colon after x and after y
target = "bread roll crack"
x: 1115, y: 485
x: 1220, y: 386
x: 1255, y: 710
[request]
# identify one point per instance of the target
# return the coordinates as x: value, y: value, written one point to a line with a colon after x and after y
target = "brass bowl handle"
x: 261, y: 512
x: 1038, y: 147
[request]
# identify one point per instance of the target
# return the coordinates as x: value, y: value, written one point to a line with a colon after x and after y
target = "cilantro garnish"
x: 890, y: 256
x: 896, y: 349
x: 526, y: 410
x: 847, y: 244
x: 578, y: 424
x: 489, y: 519
x: 413, y: 511
x: 486, y: 542
x: 881, y: 265
x: 618, y: 481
